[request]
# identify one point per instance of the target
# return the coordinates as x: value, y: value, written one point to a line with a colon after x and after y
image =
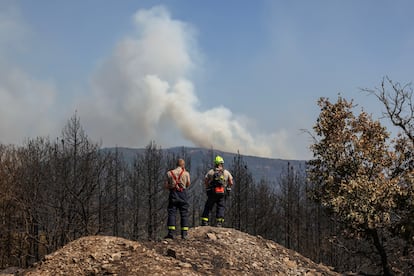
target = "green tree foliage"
x: 352, y: 171
x: 398, y: 102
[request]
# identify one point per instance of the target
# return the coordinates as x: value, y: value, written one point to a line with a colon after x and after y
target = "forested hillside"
x: 352, y: 211
x: 53, y: 192
x: 269, y: 169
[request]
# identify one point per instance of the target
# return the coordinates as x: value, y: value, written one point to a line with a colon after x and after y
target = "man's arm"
x: 166, y: 186
x: 188, y: 180
x: 230, y: 180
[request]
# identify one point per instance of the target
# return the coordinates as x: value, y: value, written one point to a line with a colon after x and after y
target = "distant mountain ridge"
x: 268, y: 169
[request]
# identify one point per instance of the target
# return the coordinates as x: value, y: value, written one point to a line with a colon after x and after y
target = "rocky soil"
x: 207, y: 251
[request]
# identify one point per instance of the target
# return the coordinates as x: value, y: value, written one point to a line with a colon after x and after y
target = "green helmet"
x: 218, y: 160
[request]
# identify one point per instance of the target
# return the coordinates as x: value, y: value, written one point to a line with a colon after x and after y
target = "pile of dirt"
x: 207, y: 251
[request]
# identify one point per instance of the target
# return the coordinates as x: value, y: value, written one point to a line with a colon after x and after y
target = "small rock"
x: 212, y: 236
x: 108, y: 268
x: 270, y: 245
x: 132, y: 247
x: 116, y: 257
x: 92, y: 271
x: 291, y: 264
x: 313, y: 273
x: 171, y: 253
x: 185, y: 265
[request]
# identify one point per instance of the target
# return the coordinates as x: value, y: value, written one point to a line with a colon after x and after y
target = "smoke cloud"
x: 143, y: 92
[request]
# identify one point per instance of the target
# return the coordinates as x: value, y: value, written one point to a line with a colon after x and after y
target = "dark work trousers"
x: 213, y: 198
x: 177, y: 200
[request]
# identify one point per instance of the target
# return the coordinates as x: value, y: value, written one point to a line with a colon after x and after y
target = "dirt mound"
x: 208, y: 250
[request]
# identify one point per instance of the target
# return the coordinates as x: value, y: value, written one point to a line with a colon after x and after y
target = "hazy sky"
x: 232, y: 75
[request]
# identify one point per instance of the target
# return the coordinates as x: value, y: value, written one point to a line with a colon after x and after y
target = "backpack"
x: 218, y: 182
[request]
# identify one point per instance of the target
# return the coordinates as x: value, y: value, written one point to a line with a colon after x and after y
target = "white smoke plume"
x: 144, y: 90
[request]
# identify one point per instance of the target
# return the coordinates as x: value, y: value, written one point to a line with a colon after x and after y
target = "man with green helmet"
x: 218, y: 160
x: 217, y: 182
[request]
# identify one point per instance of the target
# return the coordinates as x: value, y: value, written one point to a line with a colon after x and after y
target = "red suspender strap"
x: 176, y: 180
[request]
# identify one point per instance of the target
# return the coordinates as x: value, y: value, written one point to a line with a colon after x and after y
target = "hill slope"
x: 260, y: 167
x: 208, y: 250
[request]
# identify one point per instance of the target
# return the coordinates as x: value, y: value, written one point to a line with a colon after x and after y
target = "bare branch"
x: 398, y: 103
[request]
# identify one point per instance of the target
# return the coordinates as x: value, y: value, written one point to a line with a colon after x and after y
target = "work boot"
x: 219, y: 222
x: 170, y: 235
x: 184, y: 235
x: 204, y: 223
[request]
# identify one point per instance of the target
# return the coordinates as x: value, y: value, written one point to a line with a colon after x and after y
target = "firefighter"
x: 178, y: 180
x: 217, y: 182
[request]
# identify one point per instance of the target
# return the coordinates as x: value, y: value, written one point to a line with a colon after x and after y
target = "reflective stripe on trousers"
x: 177, y: 201
x: 212, y: 199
